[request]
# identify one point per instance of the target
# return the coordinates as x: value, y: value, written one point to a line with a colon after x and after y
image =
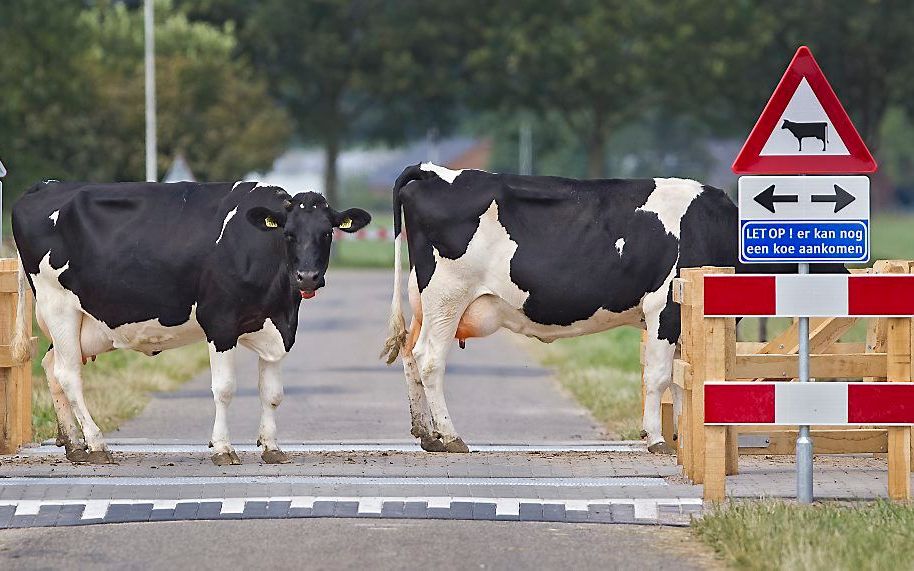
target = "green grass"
x: 777, y: 535
x: 603, y: 372
x: 117, y: 385
x: 364, y: 254
x: 892, y: 236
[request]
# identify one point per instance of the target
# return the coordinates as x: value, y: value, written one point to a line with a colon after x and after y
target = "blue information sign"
x: 807, y: 241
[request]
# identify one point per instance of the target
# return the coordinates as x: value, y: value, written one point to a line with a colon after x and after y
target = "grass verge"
x: 603, y: 372
x: 363, y: 254
x: 778, y: 535
x: 117, y: 385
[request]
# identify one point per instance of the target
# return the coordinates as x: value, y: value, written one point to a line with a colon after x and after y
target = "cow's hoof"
x: 77, y: 454
x: 419, y: 431
x: 226, y: 459
x: 275, y: 457
x: 430, y: 444
x: 456, y: 446
x: 100, y: 457
x: 643, y: 434
x: 661, y: 448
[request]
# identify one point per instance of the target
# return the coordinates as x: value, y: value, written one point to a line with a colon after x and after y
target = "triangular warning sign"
x: 804, y: 129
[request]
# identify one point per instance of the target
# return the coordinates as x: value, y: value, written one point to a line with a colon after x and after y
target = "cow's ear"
x: 351, y: 220
x: 266, y: 219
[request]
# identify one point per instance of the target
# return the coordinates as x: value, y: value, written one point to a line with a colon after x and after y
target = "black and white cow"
x: 548, y: 258
x: 150, y: 267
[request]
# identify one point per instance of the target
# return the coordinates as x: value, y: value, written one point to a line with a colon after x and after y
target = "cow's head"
x: 785, y: 125
x: 308, y: 232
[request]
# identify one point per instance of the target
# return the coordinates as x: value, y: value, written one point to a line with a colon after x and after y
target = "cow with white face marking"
x: 548, y: 258
x: 150, y: 267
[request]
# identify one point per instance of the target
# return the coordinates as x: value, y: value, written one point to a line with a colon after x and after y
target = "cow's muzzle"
x: 309, y: 281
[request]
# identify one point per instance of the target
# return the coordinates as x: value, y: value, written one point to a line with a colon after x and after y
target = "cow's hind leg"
x: 66, y: 364
x: 658, y: 363
x: 222, y: 368
x: 418, y: 405
x: 439, y: 324
x: 68, y: 434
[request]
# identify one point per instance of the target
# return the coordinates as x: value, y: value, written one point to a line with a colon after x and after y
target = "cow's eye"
x: 328, y: 234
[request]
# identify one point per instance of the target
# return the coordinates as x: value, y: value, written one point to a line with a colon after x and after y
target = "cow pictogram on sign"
x: 804, y: 129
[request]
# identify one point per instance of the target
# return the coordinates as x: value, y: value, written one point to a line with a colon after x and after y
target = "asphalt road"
x: 337, y: 389
x: 353, y: 544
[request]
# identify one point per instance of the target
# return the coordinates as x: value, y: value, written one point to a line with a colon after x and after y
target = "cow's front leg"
x: 222, y: 368
x: 271, y: 394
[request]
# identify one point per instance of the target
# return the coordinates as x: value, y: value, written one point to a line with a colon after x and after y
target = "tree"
x: 211, y: 105
x: 72, y: 98
x: 589, y: 63
x: 355, y: 69
x: 45, y: 92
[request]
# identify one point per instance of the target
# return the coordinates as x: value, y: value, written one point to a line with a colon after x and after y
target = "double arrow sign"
x: 767, y: 198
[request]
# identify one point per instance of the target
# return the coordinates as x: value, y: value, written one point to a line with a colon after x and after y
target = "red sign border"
x: 749, y: 160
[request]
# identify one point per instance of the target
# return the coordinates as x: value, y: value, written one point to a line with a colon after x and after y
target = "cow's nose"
x: 306, y: 276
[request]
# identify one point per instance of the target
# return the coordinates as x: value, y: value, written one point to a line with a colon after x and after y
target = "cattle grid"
x: 710, y: 352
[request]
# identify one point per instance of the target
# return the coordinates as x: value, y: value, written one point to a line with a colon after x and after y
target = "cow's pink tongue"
x: 307, y: 294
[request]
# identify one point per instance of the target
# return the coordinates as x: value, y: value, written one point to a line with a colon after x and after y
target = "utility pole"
x: 525, y: 147
x: 151, y: 153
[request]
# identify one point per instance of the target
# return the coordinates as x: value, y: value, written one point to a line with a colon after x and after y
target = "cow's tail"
x: 397, y: 324
x: 21, y: 345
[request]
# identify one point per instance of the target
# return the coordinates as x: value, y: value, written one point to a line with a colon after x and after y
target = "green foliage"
x: 603, y: 373
x: 365, y: 69
x: 72, y: 105
x: 777, y: 535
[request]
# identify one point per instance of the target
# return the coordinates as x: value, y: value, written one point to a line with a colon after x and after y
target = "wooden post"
x: 898, y: 369
x: 719, y: 354
x: 715, y: 463
x: 698, y: 330
x: 15, y: 378
x: 684, y: 295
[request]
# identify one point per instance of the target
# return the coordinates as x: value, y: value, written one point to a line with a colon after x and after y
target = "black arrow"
x: 767, y: 198
x: 841, y: 198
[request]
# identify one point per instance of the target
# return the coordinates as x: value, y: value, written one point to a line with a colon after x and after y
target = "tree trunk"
x: 331, y: 184
x: 596, y: 153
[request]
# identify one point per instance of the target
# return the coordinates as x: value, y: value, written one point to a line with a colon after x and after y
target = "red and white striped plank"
x: 809, y: 295
x: 826, y: 403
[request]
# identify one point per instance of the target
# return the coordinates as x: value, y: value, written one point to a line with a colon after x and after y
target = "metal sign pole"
x: 804, y: 442
x: 150, y: 66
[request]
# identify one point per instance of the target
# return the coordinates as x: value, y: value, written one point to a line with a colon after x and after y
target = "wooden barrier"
x: 710, y: 352
x: 15, y: 378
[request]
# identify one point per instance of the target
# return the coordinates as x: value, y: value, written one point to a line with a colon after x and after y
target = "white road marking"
x: 645, y: 509
x: 331, y: 480
x: 48, y: 449
x: 97, y: 509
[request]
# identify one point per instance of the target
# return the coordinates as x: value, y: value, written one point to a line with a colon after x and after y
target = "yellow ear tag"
x: 346, y: 223
x: 269, y: 222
